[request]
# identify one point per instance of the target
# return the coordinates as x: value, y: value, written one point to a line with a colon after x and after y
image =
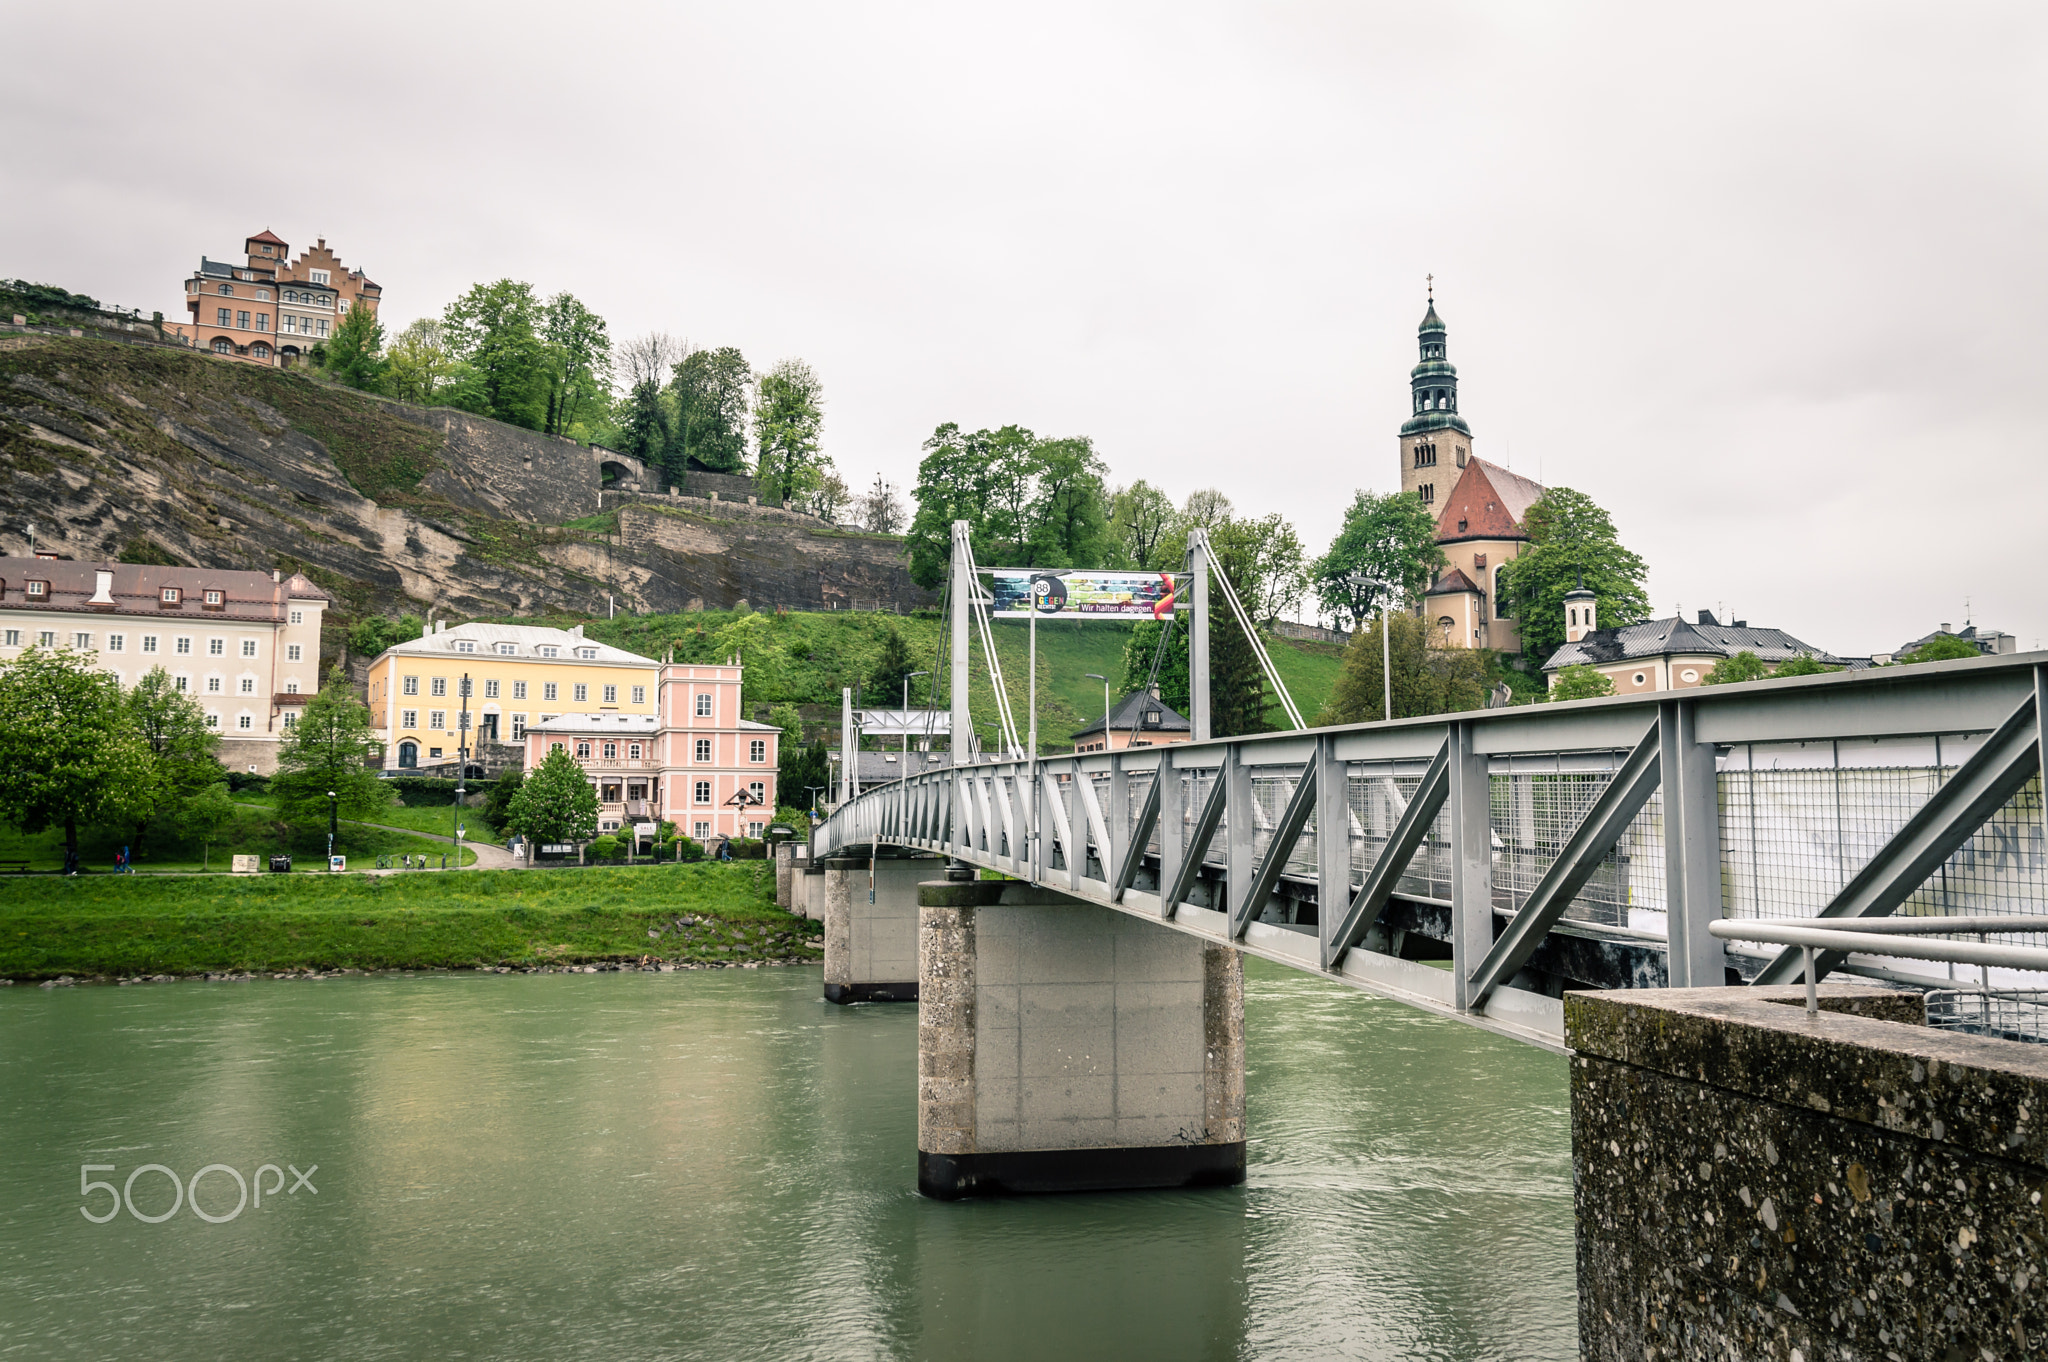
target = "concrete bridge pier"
x: 1063, y: 1046
x: 871, y: 948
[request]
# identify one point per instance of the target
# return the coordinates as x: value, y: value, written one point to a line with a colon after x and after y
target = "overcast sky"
x: 1765, y: 281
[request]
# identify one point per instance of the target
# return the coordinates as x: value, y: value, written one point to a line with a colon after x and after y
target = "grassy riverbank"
x: 134, y: 925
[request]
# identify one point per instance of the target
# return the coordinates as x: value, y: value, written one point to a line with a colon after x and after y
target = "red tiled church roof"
x: 1488, y: 502
x: 1452, y: 583
x: 268, y: 238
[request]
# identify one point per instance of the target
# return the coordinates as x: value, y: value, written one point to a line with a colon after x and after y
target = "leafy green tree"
x: 710, y: 391
x: 798, y: 765
x: 206, y: 814
x: 1941, y: 648
x: 885, y: 682
x: 1389, y: 539
x: 498, y: 798
x: 1269, y: 570
x: 1742, y: 666
x: 1069, y: 521
x: 1805, y: 664
x: 579, y: 362
x: 789, y: 422
x: 555, y: 803
x: 1570, y: 540
x: 419, y: 367
x: 494, y: 329
x: 1143, y: 647
x: 1426, y: 680
x: 371, y: 635
x: 643, y: 423
x: 329, y: 749
x: 1240, y: 701
x: 1580, y: 683
x: 69, y: 752
x: 955, y: 481
x: 355, y: 354
x: 1141, y: 518
x: 182, y: 749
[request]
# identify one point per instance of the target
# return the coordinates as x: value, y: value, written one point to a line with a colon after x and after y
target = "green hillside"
x: 805, y: 658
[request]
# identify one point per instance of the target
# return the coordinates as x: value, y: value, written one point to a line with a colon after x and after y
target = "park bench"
x: 18, y: 867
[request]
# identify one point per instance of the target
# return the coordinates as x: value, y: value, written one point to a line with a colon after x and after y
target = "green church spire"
x: 1433, y: 383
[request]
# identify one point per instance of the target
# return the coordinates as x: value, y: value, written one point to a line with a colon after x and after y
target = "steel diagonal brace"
x: 1423, y: 807
x: 1596, y: 835
x: 1141, y: 834
x: 1292, y: 820
x: 1999, y: 770
x: 1204, y: 832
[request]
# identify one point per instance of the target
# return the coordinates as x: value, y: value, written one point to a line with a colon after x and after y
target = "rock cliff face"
x: 156, y: 454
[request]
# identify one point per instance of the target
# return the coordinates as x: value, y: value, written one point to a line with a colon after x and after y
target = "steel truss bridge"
x: 1479, y: 864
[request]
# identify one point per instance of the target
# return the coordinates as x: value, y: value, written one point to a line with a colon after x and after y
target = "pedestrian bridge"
x: 1479, y: 865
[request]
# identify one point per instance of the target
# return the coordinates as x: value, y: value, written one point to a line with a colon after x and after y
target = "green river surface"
x: 718, y: 1164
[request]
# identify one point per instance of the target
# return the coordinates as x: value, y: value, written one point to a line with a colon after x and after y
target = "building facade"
x: 272, y: 309
x: 1480, y: 506
x: 1140, y: 719
x: 694, y: 762
x: 244, y: 645
x: 1670, y: 654
x: 517, y: 675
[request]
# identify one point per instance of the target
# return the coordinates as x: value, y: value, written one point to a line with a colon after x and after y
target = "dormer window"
x: 463, y: 645
x: 588, y: 654
x: 213, y: 598
x: 547, y: 650
x: 170, y: 595
x: 507, y: 649
x: 1461, y: 526
x: 1152, y: 717
x: 38, y: 590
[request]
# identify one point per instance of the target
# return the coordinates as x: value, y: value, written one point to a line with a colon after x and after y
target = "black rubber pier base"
x: 951, y: 1177
x: 871, y: 993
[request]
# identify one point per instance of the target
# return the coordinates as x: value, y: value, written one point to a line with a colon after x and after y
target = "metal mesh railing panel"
x: 2010, y: 1014
x: 1377, y: 794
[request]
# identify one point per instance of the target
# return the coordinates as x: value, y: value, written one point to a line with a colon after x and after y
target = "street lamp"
x: 1358, y: 582
x: 333, y: 823
x: 1098, y: 676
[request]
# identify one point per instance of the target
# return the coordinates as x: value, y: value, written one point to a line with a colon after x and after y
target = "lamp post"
x: 903, y: 776
x: 333, y: 824
x: 1098, y: 676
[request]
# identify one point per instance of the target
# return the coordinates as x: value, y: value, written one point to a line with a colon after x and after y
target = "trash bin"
x: 280, y: 864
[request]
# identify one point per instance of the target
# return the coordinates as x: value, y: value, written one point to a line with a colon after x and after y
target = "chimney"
x: 1707, y: 617
x: 1944, y: 628
x: 440, y: 626
x: 276, y: 575
x: 577, y: 632
x: 102, y: 588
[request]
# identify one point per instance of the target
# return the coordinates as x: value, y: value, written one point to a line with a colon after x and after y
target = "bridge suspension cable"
x: 1265, y: 661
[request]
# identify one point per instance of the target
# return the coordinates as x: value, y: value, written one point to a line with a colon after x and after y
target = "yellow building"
x: 518, y: 674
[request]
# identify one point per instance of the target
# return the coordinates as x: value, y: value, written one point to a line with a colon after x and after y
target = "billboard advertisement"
x: 1084, y: 593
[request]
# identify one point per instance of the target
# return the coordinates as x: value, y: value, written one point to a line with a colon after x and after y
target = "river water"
x: 719, y: 1165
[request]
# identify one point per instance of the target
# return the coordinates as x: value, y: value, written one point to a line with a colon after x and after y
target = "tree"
x: 1139, y: 654
x: 1426, y: 680
x: 1391, y: 541
x: 354, y: 355
x: 328, y: 750
x: 895, y: 663
x: 69, y: 753
x: 1806, y: 664
x: 879, y: 509
x: 1580, y: 682
x: 1140, y: 516
x: 1941, y: 648
x: 798, y: 765
x: 1270, y: 573
x: 1742, y: 666
x: 1069, y: 524
x: 1571, y: 540
x: 555, y: 803
x: 579, y: 361
x: 204, y: 814
x: 1239, y: 701
x: 789, y: 420
x: 498, y: 798
x: 419, y: 367
x: 827, y: 500
x: 710, y: 389
x: 181, y: 748
x: 494, y: 329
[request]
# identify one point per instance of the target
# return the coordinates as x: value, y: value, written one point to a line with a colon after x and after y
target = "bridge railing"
x: 1914, y: 790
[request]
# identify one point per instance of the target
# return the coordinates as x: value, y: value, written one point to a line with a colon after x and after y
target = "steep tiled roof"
x: 1124, y: 715
x: 1674, y: 636
x: 1478, y: 509
x: 1517, y: 492
x: 1452, y: 583
x: 268, y: 238
x: 137, y: 589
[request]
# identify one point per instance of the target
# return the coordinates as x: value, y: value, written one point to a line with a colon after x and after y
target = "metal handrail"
x: 1869, y: 938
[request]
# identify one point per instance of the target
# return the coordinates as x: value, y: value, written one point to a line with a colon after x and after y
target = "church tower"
x: 1436, y: 443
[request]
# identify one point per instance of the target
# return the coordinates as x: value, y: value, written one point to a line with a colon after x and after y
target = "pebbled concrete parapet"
x: 1063, y: 1046
x: 785, y: 875
x: 871, y: 948
x: 1751, y: 1182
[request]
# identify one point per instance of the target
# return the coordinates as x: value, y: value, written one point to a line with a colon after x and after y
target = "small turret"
x: 1580, y: 607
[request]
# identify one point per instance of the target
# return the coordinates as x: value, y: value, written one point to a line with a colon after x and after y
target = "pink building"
x: 695, y: 763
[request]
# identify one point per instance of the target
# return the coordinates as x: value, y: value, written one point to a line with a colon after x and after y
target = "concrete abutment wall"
x: 871, y: 948
x: 1068, y: 1047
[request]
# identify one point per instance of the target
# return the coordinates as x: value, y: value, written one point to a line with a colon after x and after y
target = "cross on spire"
x: 1430, y: 280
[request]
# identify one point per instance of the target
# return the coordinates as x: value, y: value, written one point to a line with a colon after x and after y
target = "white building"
x: 244, y: 645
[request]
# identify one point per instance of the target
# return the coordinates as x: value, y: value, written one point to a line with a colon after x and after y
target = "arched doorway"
x: 408, y: 755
